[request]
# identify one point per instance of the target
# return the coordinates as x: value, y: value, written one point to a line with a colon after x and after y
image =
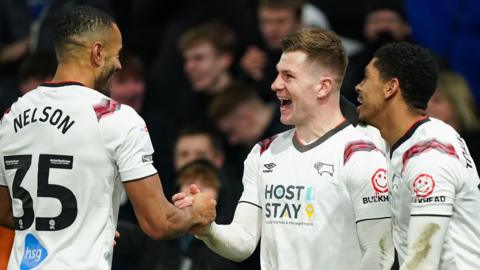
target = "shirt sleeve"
x: 432, y: 185
x: 128, y: 143
x: 3, y: 181
x: 366, y: 178
x: 250, y: 178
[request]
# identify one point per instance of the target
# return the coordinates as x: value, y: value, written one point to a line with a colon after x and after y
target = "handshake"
x: 201, y: 207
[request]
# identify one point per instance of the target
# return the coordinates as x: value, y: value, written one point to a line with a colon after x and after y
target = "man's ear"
x: 97, y: 54
x: 324, y: 87
x: 392, y: 87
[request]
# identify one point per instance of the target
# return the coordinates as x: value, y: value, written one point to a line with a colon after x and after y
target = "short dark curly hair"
x: 415, y: 68
x: 78, y: 21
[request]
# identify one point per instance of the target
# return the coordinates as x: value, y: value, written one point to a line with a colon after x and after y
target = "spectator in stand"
x: 209, y: 52
x: 277, y: 19
x: 36, y: 69
x: 128, y: 85
x: 14, y: 41
x: 194, y: 254
x: 244, y: 117
x: 196, y: 142
x: 385, y: 21
x: 454, y: 104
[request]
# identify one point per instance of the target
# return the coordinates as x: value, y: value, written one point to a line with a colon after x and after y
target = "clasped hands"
x: 203, y: 209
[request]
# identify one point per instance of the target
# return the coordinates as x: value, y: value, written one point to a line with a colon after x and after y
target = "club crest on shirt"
x: 395, y: 180
x: 423, y: 185
x: 324, y: 168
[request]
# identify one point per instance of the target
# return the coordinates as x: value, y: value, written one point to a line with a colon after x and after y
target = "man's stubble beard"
x: 104, y: 81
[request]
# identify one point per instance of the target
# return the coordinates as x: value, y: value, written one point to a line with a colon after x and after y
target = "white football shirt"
x: 374, y: 135
x: 64, y: 150
x: 431, y: 173
x: 313, y: 195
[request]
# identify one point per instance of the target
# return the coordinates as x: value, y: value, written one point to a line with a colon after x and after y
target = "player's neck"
x: 73, y: 73
x: 398, y: 122
x: 317, y: 126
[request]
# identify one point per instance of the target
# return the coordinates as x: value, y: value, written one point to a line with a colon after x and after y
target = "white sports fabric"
x: 64, y: 150
x: 312, y: 196
x: 432, y: 174
x: 374, y: 135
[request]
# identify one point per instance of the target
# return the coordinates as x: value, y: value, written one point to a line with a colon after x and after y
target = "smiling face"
x: 204, y: 65
x: 295, y: 87
x: 370, y: 94
x: 386, y: 20
x: 276, y: 23
x: 194, y: 147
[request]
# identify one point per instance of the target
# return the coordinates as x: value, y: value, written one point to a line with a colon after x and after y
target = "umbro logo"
x: 269, y: 167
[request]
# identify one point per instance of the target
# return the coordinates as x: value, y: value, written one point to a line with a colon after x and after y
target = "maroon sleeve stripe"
x: 106, y: 107
x: 357, y: 146
x: 424, y: 147
x: 265, y: 144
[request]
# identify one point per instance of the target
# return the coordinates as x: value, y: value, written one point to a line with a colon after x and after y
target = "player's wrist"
x: 205, y: 232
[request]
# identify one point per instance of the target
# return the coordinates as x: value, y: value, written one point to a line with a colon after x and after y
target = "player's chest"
x: 300, y: 177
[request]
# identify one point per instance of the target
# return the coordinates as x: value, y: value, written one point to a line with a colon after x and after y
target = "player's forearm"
x: 238, y: 240
x: 165, y: 224
x: 6, y: 215
x: 230, y: 241
x: 6, y: 219
x: 425, y: 242
x: 372, y: 259
x: 177, y: 222
x: 7, y: 223
x: 377, y: 244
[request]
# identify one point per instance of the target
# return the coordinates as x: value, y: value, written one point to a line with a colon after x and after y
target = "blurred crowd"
x: 199, y: 73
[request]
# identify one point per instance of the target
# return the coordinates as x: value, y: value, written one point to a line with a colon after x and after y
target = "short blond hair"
x: 320, y: 46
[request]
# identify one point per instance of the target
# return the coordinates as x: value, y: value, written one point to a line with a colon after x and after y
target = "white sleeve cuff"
x: 137, y: 173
